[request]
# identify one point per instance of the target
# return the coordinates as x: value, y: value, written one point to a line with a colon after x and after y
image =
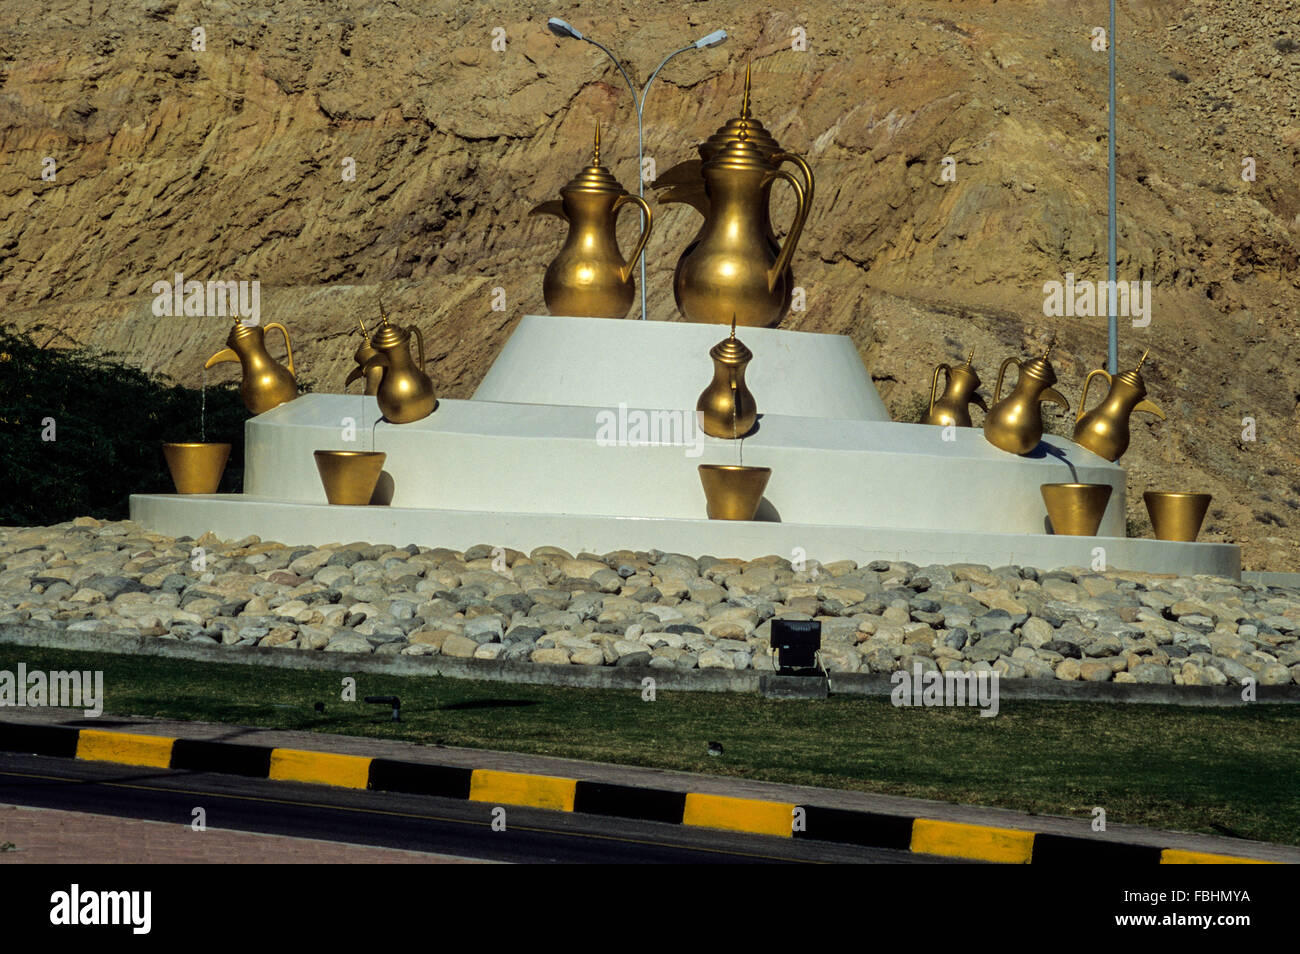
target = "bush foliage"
x: 108, y: 421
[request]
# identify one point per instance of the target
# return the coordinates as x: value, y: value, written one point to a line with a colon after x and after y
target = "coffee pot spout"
x: 221, y: 357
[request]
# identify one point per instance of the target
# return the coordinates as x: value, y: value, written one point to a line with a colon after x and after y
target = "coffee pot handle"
x: 997, y: 391
x: 796, y: 229
x: 934, y: 383
x: 1083, y: 398
x: 808, y: 183
x: 287, y: 346
x: 419, y: 341
x: 626, y: 271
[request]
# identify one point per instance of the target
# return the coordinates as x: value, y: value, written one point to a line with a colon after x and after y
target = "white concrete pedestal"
x: 599, y: 362
x: 519, y: 467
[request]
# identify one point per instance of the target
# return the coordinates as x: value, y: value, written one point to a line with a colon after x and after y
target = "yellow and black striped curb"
x: 754, y: 816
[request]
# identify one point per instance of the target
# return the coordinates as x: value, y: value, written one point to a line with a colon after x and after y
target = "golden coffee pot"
x: 960, y: 389
x: 266, y: 382
x: 1104, y: 430
x: 685, y: 183
x: 590, y: 278
x: 405, y: 392
x: 732, y: 272
x: 361, y: 356
x: 1016, y: 424
x: 726, y: 406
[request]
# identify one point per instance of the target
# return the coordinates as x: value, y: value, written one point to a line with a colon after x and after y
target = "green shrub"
x: 109, y: 423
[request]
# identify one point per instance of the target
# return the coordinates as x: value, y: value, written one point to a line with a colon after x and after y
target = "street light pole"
x: 562, y: 29
x: 1112, y: 343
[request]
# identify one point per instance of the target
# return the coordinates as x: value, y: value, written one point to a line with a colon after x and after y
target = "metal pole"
x: 640, y: 183
x: 1112, y: 346
x: 636, y: 102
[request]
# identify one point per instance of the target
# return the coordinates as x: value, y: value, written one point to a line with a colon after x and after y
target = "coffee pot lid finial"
x: 731, y: 129
x: 595, y: 178
x: 731, y: 350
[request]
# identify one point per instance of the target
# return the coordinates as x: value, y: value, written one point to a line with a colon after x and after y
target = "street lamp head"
x: 713, y: 39
x: 560, y: 28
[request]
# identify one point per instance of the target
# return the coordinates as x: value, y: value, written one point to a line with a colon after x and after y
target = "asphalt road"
x: 413, y: 823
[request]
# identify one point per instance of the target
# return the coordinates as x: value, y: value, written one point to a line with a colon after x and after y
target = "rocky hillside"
x: 228, y: 163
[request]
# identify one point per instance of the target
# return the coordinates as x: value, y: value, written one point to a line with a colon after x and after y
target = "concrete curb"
x: 614, y: 677
x: 643, y: 803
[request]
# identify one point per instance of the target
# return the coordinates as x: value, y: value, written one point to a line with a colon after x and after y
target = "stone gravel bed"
x: 661, y: 610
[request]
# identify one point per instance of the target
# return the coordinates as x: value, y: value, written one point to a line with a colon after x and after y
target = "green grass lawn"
x: 1215, y: 770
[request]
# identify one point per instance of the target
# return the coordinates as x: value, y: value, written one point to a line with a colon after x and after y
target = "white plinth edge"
x: 232, y: 516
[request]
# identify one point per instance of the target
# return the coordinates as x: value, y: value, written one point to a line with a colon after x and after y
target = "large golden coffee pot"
x: 375, y: 373
x: 1104, y: 430
x: 726, y: 406
x: 1015, y: 424
x: 590, y: 278
x: 959, y: 392
x: 266, y: 383
x: 685, y: 183
x: 405, y: 392
x: 733, y: 273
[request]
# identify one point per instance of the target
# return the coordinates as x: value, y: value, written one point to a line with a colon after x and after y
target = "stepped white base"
x: 533, y: 458
x: 529, y: 463
x: 232, y: 516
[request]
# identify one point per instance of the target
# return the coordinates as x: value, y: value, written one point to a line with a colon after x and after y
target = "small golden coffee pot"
x: 733, y: 272
x: 685, y: 183
x: 266, y: 383
x: 1016, y: 424
x: 959, y: 392
x: 361, y: 356
x: 726, y: 406
x: 1104, y: 430
x: 405, y: 392
x: 589, y: 278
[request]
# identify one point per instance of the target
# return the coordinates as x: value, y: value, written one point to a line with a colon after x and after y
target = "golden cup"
x: 733, y: 491
x: 1176, y: 516
x: 349, y: 476
x: 1076, y: 509
x: 196, y: 467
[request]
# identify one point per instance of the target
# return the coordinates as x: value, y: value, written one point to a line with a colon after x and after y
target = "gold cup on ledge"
x: 349, y: 476
x: 1176, y: 516
x: 196, y: 467
x: 1076, y: 509
x: 733, y: 491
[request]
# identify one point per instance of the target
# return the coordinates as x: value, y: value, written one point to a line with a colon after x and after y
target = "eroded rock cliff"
x: 229, y: 163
